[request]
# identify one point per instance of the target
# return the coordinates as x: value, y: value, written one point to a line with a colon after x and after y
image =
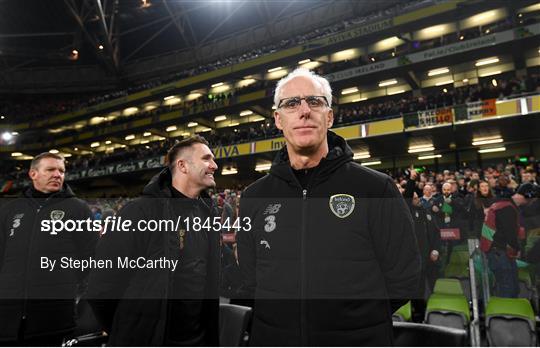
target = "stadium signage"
x: 128, y: 167
x: 486, y: 41
x: 360, y: 31
x: 226, y: 151
x: 362, y: 70
x: 277, y: 145
x: 428, y: 118
x: 164, y: 88
x: 476, y: 110
x: 209, y: 106
x: 459, y: 47
x: 434, y: 117
x: 124, y: 168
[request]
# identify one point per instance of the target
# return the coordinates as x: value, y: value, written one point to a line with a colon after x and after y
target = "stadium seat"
x: 234, y: 324
x: 448, y: 286
x: 510, y: 322
x: 448, y: 310
x: 525, y: 284
x: 456, y: 271
x: 424, y: 335
x: 458, y: 264
x: 404, y: 313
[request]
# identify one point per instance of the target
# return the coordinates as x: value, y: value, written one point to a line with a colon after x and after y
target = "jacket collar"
x: 65, y: 192
x: 339, y: 153
x: 160, y: 186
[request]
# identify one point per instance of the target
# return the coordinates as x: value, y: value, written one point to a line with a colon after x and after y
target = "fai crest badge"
x: 57, y: 214
x: 341, y: 205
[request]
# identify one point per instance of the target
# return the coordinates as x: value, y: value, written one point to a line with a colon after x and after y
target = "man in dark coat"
x: 330, y: 243
x: 450, y: 215
x: 174, y: 302
x: 33, y: 291
x: 427, y: 235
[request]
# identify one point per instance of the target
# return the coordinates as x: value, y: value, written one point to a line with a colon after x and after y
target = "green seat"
x: 519, y: 307
x: 462, y: 247
x: 525, y: 276
x: 448, y: 310
x: 446, y: 286
x: 459, y: 257
x: 458, y: 264
x: 510, y: 322
x: 456, y: 271
x: 449, y: 303
x: 404, y: 313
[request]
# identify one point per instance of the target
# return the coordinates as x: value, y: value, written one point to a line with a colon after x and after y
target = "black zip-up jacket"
x: 319, y: 275
x: 28, y: 290
x: 137, y: 307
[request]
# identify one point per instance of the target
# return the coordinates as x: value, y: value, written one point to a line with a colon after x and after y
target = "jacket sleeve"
x: 434, y: 235
x: 409, y: 189
x: 395, y: 245
x: 107, y: 285
x: 247, y: 251
x: 505, y: 222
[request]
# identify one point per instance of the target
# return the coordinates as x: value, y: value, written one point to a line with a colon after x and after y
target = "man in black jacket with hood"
x: 37, y: 304
x: 164, y: 305
x: 331, y: 252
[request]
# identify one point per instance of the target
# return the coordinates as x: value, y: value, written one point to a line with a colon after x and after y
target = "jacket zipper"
x: 303, y: 321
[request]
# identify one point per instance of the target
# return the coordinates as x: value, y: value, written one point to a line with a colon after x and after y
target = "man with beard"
x: 451, y: 216
x: 331, y: 243
x: 31, y: 295
x: 155, y: 307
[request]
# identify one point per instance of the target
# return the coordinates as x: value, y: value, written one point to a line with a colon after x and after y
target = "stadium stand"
x: 448, y: 74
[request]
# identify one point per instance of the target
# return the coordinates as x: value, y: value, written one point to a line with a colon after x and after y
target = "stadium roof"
x: 112, y: 33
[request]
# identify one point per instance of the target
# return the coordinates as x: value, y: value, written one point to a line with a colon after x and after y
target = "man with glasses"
x: 331, y: 252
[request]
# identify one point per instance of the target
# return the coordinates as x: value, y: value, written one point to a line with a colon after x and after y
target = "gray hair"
x: 303, y: 72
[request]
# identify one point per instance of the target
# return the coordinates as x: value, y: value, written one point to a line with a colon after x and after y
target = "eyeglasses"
x: 314, y: 102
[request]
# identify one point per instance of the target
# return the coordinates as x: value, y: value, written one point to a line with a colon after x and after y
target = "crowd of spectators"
x: 347, y: 114
x: 457, y: 203
x: 362, y: 112
x: 437, y: 97
x: 376, y: 109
